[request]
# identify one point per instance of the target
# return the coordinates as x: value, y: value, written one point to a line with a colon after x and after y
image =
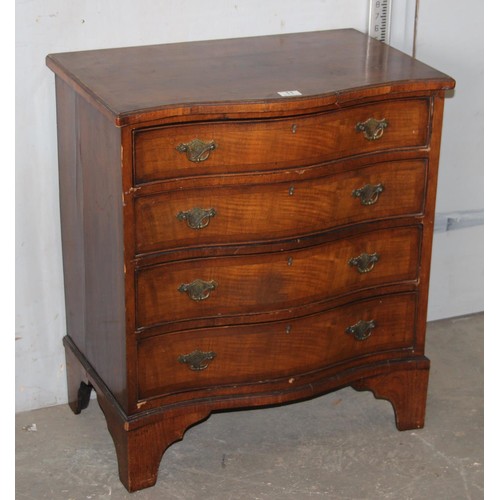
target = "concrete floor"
x: 340, y: 446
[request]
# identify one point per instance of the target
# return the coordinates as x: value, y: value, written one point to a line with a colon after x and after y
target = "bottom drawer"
x: 196, y: 359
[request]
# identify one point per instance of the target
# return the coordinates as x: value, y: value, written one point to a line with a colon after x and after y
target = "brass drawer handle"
x: 372, y: 128
x: 197, y: 360
x: 369, y: 193
x: 197, y: 150
x: 197, y: 218
x: 365, y: 262
x: 198, y: 289
x: 362, y: 329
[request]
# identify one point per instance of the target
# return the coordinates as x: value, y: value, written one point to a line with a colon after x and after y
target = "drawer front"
x: 229, y: 215
x: 225, y: 286
x: 238, y: 146
x: 197, y: 359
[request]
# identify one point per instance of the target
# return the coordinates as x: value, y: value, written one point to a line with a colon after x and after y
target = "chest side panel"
x: 92, y: 235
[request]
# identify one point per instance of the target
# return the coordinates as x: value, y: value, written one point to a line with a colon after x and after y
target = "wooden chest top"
x: 136, y: 84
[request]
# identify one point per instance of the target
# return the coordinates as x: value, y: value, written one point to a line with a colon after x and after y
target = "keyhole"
x: 290, y: 261
x: 288, y: 328
x: 291, y: 190
x: 294, y: 128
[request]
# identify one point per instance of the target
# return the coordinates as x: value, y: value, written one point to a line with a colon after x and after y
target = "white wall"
x: 450, y: 37
x: 47, y: 26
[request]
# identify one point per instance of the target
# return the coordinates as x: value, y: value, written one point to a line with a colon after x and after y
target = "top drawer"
x: 237, y: 146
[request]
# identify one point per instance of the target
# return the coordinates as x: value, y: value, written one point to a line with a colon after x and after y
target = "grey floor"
x: 340, y: 446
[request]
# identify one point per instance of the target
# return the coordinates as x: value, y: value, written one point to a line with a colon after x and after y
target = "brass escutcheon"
x: 369, y: 193
x: 197, y: 218
x: 198, y: 289
x: 197, y: 360
x: 372, y: 128
x: 365, y: 262
x: 197, y: 150
x: 362, y: 329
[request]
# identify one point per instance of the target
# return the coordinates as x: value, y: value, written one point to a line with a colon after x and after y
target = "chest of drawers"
x: 244, y: 222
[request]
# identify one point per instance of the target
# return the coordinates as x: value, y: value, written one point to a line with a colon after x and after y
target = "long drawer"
x: 198, y: 359
x: 235, y: 214
x: 225, y: 286
x: 238, y: 146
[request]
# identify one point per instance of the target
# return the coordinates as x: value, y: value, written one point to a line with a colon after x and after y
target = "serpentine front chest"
x: 244, y: 222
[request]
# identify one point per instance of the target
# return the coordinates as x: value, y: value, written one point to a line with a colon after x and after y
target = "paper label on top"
x: 289, y: 93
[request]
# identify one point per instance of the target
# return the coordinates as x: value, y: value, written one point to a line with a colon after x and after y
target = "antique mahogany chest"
x: 244, y: 222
